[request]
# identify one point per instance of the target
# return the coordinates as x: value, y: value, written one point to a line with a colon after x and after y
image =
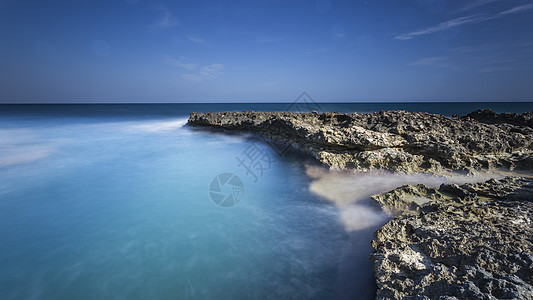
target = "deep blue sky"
x: 265, y: 50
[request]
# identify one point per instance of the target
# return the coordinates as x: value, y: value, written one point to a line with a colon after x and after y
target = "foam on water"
x: 350, y: 191
x: 155, y: 126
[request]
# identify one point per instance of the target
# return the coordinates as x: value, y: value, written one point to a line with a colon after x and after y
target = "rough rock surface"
x: 491, y: 117
x: 473, y: 241
x: 392, y: 140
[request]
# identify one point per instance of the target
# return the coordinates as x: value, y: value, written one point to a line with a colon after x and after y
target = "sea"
x: 127, y: 201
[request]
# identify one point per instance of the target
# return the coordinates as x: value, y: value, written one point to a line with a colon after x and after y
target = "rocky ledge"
x: 393, y: 140
x: 473, y: 241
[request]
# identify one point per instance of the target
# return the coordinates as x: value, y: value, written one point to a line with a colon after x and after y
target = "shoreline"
x: 460, y: 241
x: 398, y: 141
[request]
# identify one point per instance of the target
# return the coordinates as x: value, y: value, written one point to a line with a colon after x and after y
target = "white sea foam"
x: 20, y: 145
x: 154, y: 126
x: 105, y: 129
x: 356, y: 217
x: 21, y: 155
x: 351, y: 190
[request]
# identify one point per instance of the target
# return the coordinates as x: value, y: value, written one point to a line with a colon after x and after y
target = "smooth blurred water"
x: 112, y: 202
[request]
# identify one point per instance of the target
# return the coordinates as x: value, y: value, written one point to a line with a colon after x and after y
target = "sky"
x: 265, y: 50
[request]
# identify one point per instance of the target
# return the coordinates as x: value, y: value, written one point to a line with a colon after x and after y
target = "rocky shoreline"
x: 473, y: 241
x: 399, y: 141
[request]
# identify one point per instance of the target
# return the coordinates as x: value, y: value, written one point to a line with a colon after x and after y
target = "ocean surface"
x: 128, y: 202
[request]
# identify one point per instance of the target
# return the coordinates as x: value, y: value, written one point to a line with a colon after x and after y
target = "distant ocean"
x: 124, y: 201
x: 176, y: 110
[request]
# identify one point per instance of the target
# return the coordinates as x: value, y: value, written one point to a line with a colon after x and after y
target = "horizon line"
x: 271, y: 102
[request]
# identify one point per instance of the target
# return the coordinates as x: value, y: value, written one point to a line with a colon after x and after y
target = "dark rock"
x: 491, y: 117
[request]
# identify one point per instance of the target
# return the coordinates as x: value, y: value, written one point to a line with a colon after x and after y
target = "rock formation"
x: 391, y: 140
x: 473, y: 241
x: 491, y: 117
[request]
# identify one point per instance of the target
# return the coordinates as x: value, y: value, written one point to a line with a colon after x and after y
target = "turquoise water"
x: 113, y: 202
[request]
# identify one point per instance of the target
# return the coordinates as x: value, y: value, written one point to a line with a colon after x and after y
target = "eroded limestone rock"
x: 473, y: 241
x: 391, y: 140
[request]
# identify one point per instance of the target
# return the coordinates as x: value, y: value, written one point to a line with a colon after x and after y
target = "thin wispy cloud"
x: 166, y: 20
x: 181, y: 62
x: 477, y: 18
x: 443, y: 26
x: 437, y: 61
x: 208, y: 72
x: 476, y: 4
x: 195, y: 72
x: 482, y: 58
x: 516, y: 10
x: 196, y: 39
x: 498, y: 69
